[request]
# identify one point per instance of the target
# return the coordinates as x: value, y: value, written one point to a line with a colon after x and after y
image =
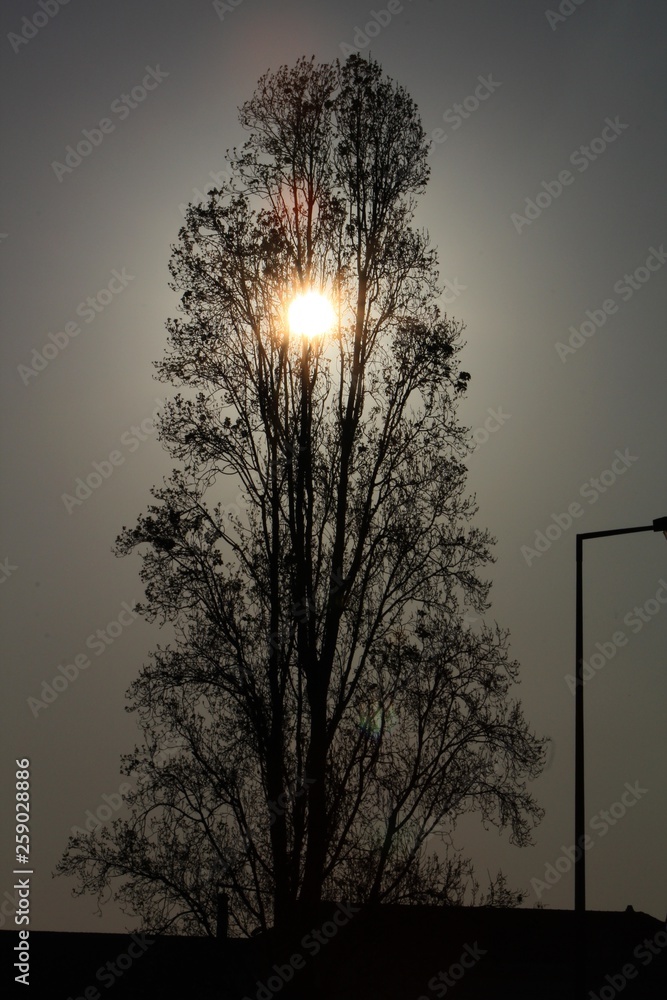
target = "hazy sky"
x: 564, y: 111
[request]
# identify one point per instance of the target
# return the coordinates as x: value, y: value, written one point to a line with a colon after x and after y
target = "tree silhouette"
x: 322, y: 709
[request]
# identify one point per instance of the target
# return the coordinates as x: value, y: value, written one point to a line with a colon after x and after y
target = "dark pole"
x: 660, y: 524
x: 222, y: 922
x: 579, y: 797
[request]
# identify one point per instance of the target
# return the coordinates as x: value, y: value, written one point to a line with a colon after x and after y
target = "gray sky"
x: 568, y: 115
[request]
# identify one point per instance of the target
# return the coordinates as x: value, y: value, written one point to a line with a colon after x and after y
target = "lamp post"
x: 660, y: 524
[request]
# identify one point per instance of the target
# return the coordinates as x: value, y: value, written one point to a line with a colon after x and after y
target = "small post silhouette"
x: 222, y: 924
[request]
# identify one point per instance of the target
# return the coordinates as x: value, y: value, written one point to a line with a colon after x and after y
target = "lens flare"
x: 378, y: 721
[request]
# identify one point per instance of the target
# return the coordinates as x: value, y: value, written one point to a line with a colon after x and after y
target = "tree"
x: 322, y: 709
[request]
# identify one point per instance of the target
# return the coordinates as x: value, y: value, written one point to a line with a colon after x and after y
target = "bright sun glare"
x: 310, y: 314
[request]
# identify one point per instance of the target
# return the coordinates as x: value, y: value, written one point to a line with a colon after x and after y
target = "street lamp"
x: 660, y: 524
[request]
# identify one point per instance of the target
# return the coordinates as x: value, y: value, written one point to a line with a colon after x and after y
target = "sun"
x: 310, y: 315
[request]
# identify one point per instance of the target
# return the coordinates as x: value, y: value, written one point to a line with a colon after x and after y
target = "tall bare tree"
x: 323, y: 708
